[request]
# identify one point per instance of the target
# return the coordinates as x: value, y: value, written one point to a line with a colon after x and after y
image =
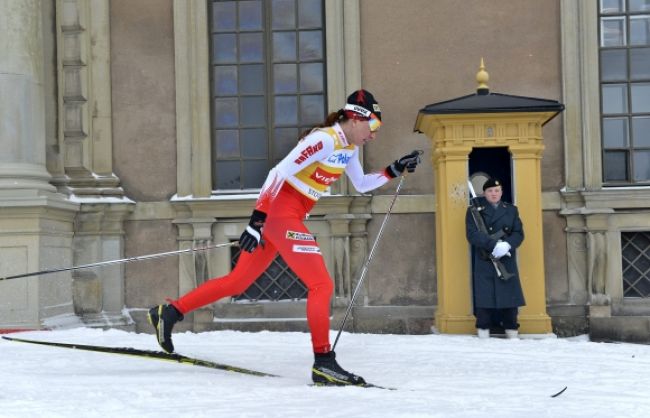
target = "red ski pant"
x: 283, y: 232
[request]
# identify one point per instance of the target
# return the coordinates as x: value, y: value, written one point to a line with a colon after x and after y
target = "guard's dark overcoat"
x: 489, y: 290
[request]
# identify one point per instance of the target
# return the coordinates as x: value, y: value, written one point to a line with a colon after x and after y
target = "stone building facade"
x: 108, y: 113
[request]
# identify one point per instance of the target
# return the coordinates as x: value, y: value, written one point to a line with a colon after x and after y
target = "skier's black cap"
x: 363, y: 103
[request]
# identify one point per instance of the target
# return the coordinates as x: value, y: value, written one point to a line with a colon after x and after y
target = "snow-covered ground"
x: 436, y: 376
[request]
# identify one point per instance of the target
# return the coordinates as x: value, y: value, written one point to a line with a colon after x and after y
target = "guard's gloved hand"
x: 502, y: 248
x: 252, y: 235
x: 407, y: 162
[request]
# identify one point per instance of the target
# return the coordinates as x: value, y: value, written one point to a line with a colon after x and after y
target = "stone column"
x: 35, y: 221
x: 22, y: 131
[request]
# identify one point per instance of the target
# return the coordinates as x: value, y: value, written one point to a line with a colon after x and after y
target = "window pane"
x: 284, y: 46
x: 614, y: 97
x: 224, y: 16
x: 286, y: 110
x: 227, y: 144
x: 250, y: 15
x: 259, y: 109
x: 226, y: 113
x: 641, y: 165
x: 615, y: 166
x: 309, y: 14
x: 640, y: 97
x: 227, y: 174
x: 312, y: 109
x: 641, y: 131
x: 612, y: 6
x: 612, y: 31
x: 283, y: 14
x: 251, y: 48
x: 285, y: 78
x: 615, y: 133
x: 253, y: 111
x: 311, y: 45
x: 639, y: 63
x: 255, y: 173
x: 613, y: 65
x: 311, y: 78
x: 251, y: 79
x: 640, y: 30
x: 254, y: 143
x: 639, y: 5
x: 285, y: 139
x: 225, y: 80
x: 224, y: 48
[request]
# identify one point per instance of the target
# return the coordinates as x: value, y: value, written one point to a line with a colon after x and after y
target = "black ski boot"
x: 327, y: 372
x: 163, y: 318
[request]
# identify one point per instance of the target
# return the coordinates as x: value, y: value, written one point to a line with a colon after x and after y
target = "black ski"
x: 161, y: 355
x: 150, y: 354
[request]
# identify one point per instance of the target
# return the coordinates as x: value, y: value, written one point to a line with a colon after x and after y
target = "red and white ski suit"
x: 288, y: 194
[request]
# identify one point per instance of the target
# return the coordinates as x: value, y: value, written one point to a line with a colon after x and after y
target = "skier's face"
x: 361, y: 132
x: 493, y: 194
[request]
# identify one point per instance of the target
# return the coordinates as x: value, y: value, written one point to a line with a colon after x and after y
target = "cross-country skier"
x: 276, y: 225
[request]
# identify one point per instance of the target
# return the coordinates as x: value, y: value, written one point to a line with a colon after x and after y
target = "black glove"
x: 252, y: 235
x: 408, y: 162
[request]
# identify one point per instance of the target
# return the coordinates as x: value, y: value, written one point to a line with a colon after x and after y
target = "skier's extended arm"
x: 366, y: 182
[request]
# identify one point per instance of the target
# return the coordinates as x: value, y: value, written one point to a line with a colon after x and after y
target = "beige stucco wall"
x: 420, y: 52
x: 144, y: 136
x: 555, y: 260
x: 149, y: 282
x: 435, y: 61
x: 144, y: 141
x: 403, y: 269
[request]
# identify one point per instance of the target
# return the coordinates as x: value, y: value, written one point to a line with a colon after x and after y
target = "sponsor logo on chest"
x: 323, y: 177
x: 341, y: 158
x: 308, y: 152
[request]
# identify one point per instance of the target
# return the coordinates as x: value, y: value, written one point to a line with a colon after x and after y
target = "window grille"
x: 278, y: 282
x: 636, y: 264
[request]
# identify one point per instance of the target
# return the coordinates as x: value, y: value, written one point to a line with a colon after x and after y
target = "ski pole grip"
x: 415, y: 152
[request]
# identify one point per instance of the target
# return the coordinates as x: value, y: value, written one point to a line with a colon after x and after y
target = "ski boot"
x: 327, y: 372
x: 163, y: 318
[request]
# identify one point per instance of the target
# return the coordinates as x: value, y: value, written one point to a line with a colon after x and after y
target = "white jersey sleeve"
x: 364, y: 182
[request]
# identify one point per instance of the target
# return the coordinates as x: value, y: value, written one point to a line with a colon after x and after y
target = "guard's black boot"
x: 326, y: 371
x: 163, y: 318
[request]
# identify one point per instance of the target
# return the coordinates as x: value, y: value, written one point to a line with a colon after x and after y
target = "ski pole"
x: 122, y: 260
x: 365, y: 266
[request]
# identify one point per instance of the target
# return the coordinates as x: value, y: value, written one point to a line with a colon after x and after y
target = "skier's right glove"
x: 252, y: 235
x: 407, y: 162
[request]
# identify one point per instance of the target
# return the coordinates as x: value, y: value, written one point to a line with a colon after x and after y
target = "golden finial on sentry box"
x: 482, y: 78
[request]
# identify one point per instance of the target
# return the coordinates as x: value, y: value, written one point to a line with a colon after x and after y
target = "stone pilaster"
x: 85, y: 138
x: 99, y: 291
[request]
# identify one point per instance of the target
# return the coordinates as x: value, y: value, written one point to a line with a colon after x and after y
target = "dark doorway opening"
x: 493, y: 162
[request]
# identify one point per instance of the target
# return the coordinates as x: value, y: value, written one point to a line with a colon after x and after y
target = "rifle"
x: 475, y: 209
